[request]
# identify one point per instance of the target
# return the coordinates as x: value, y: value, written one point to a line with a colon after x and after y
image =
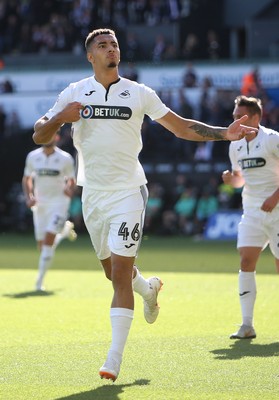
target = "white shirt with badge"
x: 108, y: 134
x: 258, y: 161
x: 49, y: 173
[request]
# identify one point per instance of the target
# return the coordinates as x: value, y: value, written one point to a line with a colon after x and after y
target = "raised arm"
x: 45, y: 129
x: 189, y: 129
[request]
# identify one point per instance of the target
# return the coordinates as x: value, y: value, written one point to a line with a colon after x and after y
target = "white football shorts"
x: 114, y: 220
x: 258, y: 229
x: 49, y: 218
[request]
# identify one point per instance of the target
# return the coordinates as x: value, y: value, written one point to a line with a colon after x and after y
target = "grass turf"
x: 53, y: 345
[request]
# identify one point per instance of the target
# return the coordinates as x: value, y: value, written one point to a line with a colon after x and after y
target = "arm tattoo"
x: 208, y: 132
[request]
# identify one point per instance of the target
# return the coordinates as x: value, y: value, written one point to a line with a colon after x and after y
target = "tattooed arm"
x: 189, y: 129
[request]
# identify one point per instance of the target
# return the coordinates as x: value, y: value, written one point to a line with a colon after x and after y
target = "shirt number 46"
x: 124, y: 232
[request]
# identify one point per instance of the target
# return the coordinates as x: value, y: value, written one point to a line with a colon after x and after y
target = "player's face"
x: 239, y: 111
x: 104, y: 51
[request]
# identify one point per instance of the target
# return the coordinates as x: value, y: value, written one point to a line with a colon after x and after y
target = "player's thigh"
x: 273, y: 232
x: 39, y: 221
x: 98, y: 229
x: 114, y: 221
x: 56, y: 218
x: 251, y: 231
x: 126, y: 223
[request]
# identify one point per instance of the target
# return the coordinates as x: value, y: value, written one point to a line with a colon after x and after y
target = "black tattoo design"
x: 207, y: 132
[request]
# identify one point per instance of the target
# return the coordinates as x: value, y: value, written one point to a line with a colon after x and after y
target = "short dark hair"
x: 253, y: 104
x: 91, y: 36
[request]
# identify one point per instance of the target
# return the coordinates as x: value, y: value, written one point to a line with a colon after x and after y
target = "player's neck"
x: 49, y: 150
x: 107, y: 77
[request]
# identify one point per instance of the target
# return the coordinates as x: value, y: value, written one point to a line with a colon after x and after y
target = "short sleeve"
x: 273, y: 143
x: 233, y: 158
x: 153, y: 105
x: 63, y: 99
x: 28, y: 169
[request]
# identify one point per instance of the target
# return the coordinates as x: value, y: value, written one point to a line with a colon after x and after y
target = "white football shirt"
x: 49, y: 174
x: 108, y: 134
x: 258, y: 161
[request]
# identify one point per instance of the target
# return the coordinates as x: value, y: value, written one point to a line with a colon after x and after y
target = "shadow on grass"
x: 33, y: 293
x: 247, y: 348
x: 106, y: 392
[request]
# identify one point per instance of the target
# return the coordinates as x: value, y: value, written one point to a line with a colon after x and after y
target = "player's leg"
x: 273, y: 236
x: 50, y: 221
x: 247, y: 291
x: 147, y: 288
x: 251, y: 240
x: 68, y: 232
x: 46, y: 258
x: 121, y: 313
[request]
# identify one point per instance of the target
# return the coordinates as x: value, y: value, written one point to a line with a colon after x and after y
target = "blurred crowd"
x: 185, y: 207
x: 32, y: 26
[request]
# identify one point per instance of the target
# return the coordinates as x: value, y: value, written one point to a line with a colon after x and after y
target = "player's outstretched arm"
x: 198, y: 131
x: 45, y: 129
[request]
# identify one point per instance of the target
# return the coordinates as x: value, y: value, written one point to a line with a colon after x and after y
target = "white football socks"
x: 121, y: 320
x: 141, y: 285
x: 247, y: 296
x: 58, y: 238
x: 45, y: 261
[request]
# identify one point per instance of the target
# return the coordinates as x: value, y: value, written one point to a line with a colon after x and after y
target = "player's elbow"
x: 37, y: 139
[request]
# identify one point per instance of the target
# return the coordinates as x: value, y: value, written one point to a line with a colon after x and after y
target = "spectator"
x: 203, y: 151
x: 13, y: 124
x: 3, y: 117
x: 213, y: 45
x: 132, y: 49
x: 189, y: 76
x: 159, y: 48
x: 75, y: 210
x: 251, y: 84
x: 191, y: 48
x: 6, y: 86
x: 185, y: 208
x: 207, y: 205
x: 153, y: 207
x: 131, y: 72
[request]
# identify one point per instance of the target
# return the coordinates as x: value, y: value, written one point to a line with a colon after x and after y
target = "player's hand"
x: 71, y: 113
x: 237, y: 131
x: 269, y: 204
x: 227, y: 177
x: 30, y: 202
x: 68, y: 192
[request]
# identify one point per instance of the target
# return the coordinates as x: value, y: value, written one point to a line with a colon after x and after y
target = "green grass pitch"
x: 53, y: 345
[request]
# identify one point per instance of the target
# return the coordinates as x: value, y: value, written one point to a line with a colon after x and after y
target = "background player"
x: 255, y: 166
x: 48, y: 184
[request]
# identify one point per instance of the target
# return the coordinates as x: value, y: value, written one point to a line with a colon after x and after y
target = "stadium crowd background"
x: 181, y: 202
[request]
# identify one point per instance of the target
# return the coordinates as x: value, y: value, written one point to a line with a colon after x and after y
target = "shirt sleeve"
x: 28, y: 169
x: 63, y: 99
x: 273, y: 143
x: 233, y: 158
x: 153, y: 105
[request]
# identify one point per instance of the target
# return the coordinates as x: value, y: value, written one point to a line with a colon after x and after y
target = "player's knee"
x: 108, y: 275
x: 247, y: 265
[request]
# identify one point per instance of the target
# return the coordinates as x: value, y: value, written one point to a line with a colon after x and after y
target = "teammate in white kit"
x: 48, y: 184
x: 255, y: 166
x: 106, y: 112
